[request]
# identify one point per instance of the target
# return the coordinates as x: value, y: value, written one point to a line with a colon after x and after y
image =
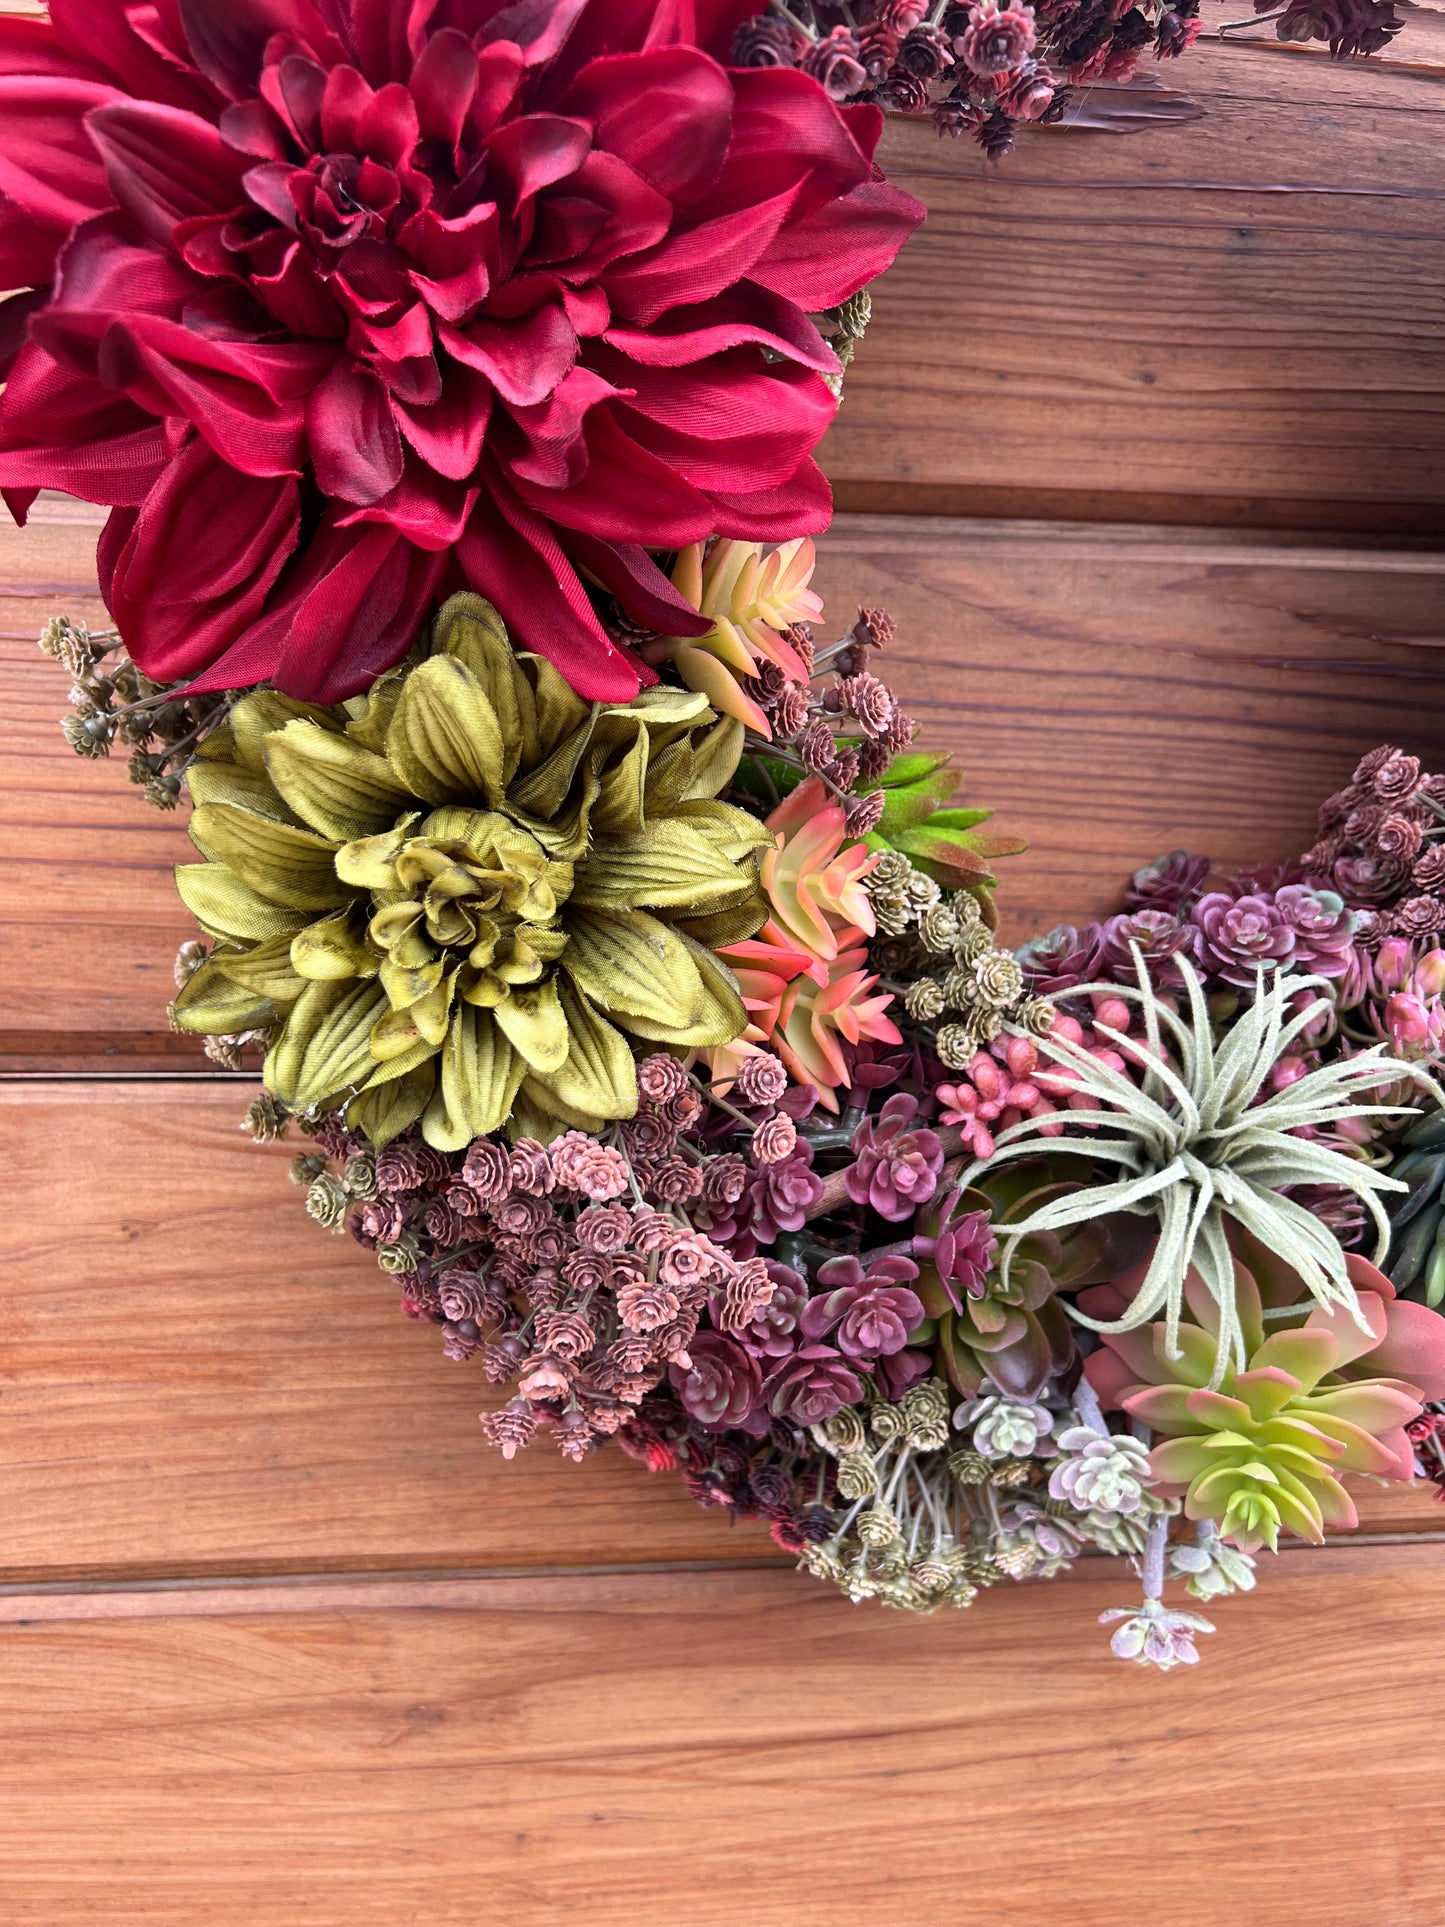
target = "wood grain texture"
x: 1237, y: 320
x: 1114, y: 692
x: 89, y: 917
x: 194, y: 1380
x: 728, y: 1748
x: 1111, y: 691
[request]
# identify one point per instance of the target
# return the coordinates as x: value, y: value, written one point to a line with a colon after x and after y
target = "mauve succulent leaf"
x: 1351, y: 1341
x: 1373, y: 1404
x: 1412, y: 1348
x: 1218, y: 1412
x: 1163, y: 1408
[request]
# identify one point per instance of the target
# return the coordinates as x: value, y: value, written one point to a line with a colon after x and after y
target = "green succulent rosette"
x: 463, y: 896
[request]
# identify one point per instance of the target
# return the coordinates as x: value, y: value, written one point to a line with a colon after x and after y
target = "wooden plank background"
x: 1146, y: 453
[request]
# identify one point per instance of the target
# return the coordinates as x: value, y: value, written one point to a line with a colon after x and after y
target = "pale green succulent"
x: 460, y: 897
x: 1196, y: 1145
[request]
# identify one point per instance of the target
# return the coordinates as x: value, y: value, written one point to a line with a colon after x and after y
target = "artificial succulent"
x: 1003, y: 1323
x: 1201, y: 1144
x: 1264, y: 1450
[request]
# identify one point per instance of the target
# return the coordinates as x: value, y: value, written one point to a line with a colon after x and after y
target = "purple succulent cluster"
x: 1271, y: 919
x: 1382, y: 847
x: 896, y: 1161
x: 805, y: 1352
x: 592, y: 1274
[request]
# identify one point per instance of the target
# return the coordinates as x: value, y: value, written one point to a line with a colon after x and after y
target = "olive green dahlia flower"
x: 450, y: 898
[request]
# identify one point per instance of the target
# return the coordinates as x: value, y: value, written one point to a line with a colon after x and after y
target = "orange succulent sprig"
x: 804, y: 978
x: 753, y: 599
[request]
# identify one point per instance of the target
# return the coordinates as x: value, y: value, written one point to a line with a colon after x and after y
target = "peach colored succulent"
x: 753, y: 598
x: 817, y: 1018
x: 803, y: 1007
x: 764, y: 965
x: 814, y: 880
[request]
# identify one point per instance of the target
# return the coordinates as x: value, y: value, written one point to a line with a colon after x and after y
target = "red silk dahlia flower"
x: 342, y: 303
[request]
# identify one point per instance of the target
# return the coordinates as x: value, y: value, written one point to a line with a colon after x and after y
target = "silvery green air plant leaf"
x: 1195, y: 1145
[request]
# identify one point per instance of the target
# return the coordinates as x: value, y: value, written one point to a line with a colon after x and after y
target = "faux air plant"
x: 629, y: 975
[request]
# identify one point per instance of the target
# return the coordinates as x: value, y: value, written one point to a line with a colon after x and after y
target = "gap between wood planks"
x: 670, y: 1584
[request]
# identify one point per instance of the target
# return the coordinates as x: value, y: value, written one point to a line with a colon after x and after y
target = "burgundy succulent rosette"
x: 453, y: 374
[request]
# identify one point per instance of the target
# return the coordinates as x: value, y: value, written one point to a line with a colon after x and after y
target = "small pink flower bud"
x: 1392, y: 963
x: 1407, y: 1020
x: 1112, y: 1011
x: 988, y: 1079
x: 1021, y: 1054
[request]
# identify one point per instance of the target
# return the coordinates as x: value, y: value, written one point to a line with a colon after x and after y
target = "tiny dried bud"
x: 878, y: 1526
x: 359, y: 1176
x: 1037, y: 1016
x: 969, y: 1468
x: 864, y: 813
x: 266, y: 1119
x: 326, y: 1199
x: 774, y: 1140
x: 790, y: 713
x: 973, y: 942
x: 938, y: 929
x: 956, y: 1046
x: 816, y: 748
x: 400, y: 1258
x: 189, y: 959
x: 761, y: 1079
x: 924, y: 1000
x: 857, y: 1476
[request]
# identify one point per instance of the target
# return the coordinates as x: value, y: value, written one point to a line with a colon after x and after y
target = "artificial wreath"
x: 453, y: 374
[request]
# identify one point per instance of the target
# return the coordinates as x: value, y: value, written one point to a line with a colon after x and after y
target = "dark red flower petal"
x: 197, y: 560
x: 348, y: 608
x: 512, y: 555
x: 528, y: 278
x: 48, y: 167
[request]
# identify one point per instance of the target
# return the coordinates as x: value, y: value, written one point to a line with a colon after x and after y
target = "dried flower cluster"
x: 112, y: 702
x: 983, y: 67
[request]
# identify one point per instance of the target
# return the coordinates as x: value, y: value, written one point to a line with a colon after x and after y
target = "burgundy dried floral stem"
x: 835, y: 1187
